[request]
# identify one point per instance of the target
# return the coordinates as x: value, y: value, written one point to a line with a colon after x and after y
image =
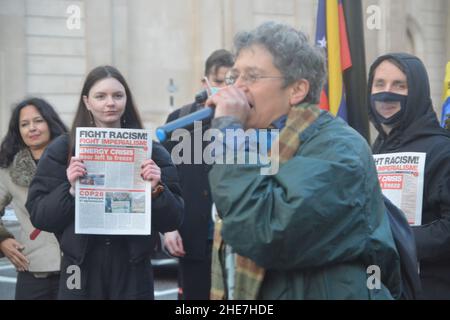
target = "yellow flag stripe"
x: 334, y: 57
x: 446, y: 91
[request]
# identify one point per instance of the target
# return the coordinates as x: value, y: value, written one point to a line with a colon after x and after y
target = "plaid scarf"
x: 248, y: 275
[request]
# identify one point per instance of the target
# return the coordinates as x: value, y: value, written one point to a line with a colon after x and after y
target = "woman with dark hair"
x: 102, y: 266
x: 36, y: 255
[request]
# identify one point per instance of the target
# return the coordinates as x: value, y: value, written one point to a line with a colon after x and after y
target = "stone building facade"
x: 48, y: 46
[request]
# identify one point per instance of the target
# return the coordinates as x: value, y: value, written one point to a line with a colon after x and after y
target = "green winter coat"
x: 318, y: 224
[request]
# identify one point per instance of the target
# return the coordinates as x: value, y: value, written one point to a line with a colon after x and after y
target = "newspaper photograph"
x: 401, y: 177
x: 112, y: 198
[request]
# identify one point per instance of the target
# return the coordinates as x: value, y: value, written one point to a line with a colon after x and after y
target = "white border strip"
x: 6, y: 267
x: 165, y: 292
x: 8, y: 279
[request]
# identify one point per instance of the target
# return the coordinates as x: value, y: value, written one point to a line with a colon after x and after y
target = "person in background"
x: 111, y: 266
x: 35, y: 254
x: 402, y: 111
x: 192, y: 242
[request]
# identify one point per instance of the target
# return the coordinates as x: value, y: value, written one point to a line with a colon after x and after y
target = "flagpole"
x: 355, y: 78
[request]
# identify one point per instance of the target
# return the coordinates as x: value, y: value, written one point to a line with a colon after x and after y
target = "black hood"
x: 419, y: 113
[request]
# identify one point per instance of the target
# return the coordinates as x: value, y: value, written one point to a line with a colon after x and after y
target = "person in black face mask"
x: 402, y: 112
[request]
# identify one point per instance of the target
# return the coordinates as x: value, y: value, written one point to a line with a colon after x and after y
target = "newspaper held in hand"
x: 401, y: 177
x: 112, y: 198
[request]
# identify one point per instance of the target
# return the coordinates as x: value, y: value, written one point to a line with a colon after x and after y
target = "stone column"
x: 99, y: 33
x: 12, y: 58
x: 120, y: 35
x: 161, y: 46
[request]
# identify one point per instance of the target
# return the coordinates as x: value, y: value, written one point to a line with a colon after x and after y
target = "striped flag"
x: 446, y: 96
x: 331, y: 34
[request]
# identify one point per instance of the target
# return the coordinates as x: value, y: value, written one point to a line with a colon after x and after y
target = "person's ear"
x: 299, y: 91
x: 85, y: 100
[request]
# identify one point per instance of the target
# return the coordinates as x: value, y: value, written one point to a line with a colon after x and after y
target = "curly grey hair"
x: 292, y: 54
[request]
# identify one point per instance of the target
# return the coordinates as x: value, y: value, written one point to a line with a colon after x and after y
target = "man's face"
x: 217, y: 77
x: 267, y: 97
x: 389, y: 78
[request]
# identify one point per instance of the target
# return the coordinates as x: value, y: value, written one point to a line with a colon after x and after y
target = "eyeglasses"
x: 246, y: 78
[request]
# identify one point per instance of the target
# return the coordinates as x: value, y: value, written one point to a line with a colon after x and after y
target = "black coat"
x: 419, y: 131
x: 196, y: 194
x: 52, y: 208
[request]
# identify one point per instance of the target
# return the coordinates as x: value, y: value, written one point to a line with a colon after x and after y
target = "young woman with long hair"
x: 110, y: 266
